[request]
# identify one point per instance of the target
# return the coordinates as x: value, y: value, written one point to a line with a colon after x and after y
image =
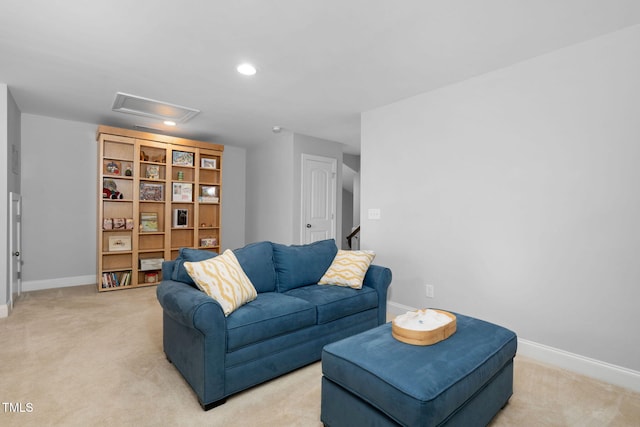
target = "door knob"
x: 16, y: 253
x: 308, y: 225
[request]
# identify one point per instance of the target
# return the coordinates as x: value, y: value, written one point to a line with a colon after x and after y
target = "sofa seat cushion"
x: 269, y: 315
x: 335, y: 302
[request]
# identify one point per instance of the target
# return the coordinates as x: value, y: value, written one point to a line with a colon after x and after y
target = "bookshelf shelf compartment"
x: 144, y: 169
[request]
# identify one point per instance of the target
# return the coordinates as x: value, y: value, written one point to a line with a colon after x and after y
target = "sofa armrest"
x: 191, y: 307
x: 379, y: 278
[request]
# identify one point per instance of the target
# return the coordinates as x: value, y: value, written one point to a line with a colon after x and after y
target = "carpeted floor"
x: 73, y: 357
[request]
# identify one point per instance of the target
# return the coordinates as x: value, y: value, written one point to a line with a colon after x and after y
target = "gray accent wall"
x: 59, y: 172
x: 516, y: 195
x: 234, y: 183
x: 59, y: 200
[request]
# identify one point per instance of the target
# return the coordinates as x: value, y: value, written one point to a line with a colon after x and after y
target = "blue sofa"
x: 283, y: 329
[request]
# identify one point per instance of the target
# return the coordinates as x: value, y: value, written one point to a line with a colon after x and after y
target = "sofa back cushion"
x: 189, y: 255
x: 256, y: 259
x: 301, y: 265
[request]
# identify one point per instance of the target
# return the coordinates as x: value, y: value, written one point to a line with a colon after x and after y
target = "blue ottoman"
x: 374, y: 380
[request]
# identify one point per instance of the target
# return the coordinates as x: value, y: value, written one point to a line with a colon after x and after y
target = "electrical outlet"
x: 429, y: 291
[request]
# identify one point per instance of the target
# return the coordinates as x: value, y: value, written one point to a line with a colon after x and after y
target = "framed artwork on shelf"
x: 180, y: 218
x: 208, y: 194
x: 119, y: 243
x: 148, y: 221
x: 151, y: 192
x: 182, y: 192
x: 153, y: 171
x: 206, y: 163
x: 182, y: 158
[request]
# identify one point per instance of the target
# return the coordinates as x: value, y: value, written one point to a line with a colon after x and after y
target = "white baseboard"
x: 576, y: 363
x: 582, y: 365
x: 62, y: 282
x: 4, y: 310
x: 397, y: 309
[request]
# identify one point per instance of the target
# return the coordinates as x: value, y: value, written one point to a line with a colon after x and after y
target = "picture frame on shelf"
x: 180, y: 218
x: 182, y: 192
x: 151, y: 192
x: 207, y: 163
x: 182, y: 158
x: 208, y: 194
x: 148, y: 222
x: 153, y: 171
x: 119, y: 243
x: 119, y: 223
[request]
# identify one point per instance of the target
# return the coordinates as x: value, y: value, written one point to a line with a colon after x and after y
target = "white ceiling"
x: 320, y: 62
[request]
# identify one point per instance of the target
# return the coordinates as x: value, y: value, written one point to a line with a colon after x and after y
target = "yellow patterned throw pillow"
x: 223, y: 279
x: 348, y: 269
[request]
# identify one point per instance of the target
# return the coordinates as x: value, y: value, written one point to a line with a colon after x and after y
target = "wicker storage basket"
x: 416, y: 337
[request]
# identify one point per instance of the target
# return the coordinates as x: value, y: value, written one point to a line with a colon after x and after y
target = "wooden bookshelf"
x: 156, y: 194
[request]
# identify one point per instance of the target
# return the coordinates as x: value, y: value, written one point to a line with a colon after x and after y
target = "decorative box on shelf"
x: 208, y: 242
x: 151, y: 277
x: 147, y: 264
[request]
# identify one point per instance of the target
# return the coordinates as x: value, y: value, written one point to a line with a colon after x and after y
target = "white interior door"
x: 15, y: 249
x: 318, y: 198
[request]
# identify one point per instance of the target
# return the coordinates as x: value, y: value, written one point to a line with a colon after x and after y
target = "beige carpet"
x: 80, y: 358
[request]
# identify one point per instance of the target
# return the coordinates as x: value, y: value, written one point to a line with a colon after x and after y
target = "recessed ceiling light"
x: 246, y: 69
x: 169, y: 123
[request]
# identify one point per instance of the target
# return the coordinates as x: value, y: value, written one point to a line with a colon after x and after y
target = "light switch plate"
x: 374, y: 213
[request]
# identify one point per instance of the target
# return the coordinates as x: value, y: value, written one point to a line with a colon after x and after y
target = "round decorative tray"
x: 417, y: 326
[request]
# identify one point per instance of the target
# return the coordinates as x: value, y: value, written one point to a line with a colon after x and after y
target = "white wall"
x: 59, y: 201
x: 4, y: 197
x: 274, y: 185
x: 516, y: 195
x: 270, y: 190
x: 9, y: 182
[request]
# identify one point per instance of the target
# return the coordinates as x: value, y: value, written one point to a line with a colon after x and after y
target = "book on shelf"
x: 116, y: 279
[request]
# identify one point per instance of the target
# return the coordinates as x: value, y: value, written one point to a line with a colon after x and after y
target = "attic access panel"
x: 139, y: 106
